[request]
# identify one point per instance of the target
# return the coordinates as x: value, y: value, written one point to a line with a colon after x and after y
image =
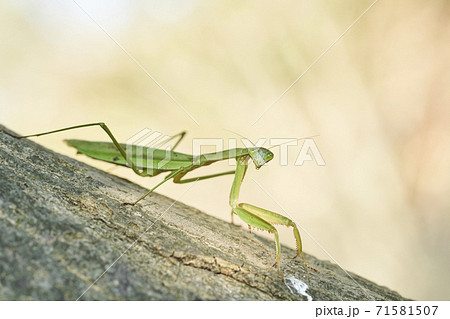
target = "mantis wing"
x: 144, y: 158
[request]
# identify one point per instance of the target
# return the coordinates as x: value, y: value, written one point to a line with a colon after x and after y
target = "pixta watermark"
x: 151, y: 149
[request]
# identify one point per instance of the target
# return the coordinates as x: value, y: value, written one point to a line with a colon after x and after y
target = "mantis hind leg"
x: 111, y: 136
x: 103, y: 126
x: 255, y: 221
x: 277, y: 219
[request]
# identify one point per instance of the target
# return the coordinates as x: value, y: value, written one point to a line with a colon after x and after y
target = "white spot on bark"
x: 299, y: 286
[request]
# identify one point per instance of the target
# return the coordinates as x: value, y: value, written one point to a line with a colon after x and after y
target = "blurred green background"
x: 379, y: 101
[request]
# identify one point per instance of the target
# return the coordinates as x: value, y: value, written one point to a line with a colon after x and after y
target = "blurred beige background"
x: 379, y: 99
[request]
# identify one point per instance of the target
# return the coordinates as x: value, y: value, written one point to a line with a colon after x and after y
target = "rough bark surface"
x: 62, y: 225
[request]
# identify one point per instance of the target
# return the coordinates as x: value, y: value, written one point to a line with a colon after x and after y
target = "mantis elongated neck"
x: 209, y: 158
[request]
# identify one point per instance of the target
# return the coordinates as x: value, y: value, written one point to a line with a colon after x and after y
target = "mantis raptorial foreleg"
x: 277, y: 219
x: 259, y: 217
x: 257, y: 222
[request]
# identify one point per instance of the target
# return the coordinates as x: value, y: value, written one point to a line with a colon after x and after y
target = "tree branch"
x: 62, y: 225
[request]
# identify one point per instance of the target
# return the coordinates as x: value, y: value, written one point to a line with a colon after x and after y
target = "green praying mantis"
x: 153, y: 161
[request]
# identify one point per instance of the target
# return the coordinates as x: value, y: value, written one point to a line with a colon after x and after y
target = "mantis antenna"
x: 295, y: 139
x: 240, y: 135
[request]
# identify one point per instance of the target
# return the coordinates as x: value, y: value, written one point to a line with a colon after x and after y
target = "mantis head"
x: 260, y: 156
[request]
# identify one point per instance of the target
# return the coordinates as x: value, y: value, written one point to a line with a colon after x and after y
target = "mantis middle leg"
x: 177, y: 176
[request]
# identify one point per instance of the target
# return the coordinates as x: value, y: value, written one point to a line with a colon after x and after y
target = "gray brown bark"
x: 62, y: 225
